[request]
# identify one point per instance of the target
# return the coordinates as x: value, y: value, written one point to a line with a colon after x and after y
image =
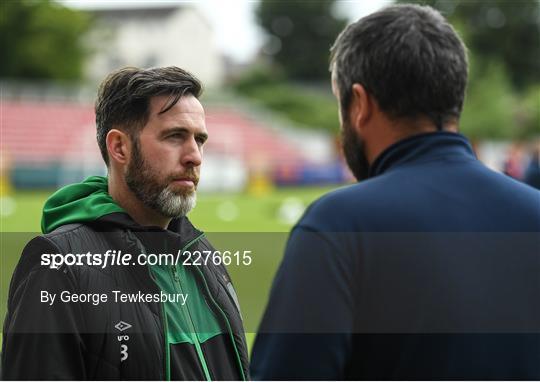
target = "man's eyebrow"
x: 183, y: 130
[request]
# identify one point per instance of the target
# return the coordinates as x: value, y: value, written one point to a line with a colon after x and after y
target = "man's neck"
x: 399, y: 130
x: 141, y: 214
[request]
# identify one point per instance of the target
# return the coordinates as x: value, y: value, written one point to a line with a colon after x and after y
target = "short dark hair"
x: 124, y: 97
x: 408, y: 57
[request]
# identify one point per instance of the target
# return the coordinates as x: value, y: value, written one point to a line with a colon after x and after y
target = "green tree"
x: 42, y: 40
x: 300, y: 35
x: 503, y: 37
x: 499, y: 30
x: 490, y: 104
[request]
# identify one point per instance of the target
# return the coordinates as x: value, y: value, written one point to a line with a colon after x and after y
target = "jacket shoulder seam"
x: 59, y: 231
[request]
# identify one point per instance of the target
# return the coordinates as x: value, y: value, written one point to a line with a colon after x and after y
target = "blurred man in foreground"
x: 429, y: 267
x: 147, y: 318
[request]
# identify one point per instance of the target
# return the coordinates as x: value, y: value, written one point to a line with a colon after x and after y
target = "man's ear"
x: 118, y: 146
x: 361, y: 106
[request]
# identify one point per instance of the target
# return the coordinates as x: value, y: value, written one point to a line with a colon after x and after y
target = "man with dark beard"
x: 429, y: 267
x: 182, y: 320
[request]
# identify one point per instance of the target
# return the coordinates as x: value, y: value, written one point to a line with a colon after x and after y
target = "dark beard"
x: 354, y: 150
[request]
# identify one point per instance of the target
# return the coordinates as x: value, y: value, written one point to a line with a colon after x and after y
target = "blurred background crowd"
x: 272, y: 119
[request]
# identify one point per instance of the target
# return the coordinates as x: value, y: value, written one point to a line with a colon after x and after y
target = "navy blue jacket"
x: 430, y: 269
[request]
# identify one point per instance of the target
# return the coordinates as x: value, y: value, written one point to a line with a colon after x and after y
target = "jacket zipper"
x: 166, y: 358
x: 227, y: 322
x: 241, y: 367
x: 196, y: 343
x: 167, y: 351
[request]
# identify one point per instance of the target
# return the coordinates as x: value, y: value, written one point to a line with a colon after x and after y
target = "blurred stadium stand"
x: 47, y: 136
x: 50, y: 143
x: 47, y: 142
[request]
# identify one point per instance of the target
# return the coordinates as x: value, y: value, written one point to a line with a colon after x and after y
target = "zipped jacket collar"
x: 179, y: 228
x: 422, y: 147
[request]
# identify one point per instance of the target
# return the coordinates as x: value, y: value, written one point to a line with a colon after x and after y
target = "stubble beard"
x: 354, y: 150
x: 141, y: 179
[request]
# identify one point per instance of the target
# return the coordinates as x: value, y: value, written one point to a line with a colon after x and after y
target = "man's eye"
x: 200, y: 141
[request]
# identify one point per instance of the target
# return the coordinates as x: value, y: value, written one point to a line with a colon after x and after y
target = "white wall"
x: 182, y: 38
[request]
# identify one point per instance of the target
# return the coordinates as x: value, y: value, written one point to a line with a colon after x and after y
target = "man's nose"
x: 192, y: 153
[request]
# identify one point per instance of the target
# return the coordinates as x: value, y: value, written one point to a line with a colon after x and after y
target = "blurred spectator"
x: 5, y: 169
x: 513, y: 165
x: 532, y: 173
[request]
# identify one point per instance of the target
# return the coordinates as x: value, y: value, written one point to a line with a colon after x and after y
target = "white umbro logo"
x: 122, y: 326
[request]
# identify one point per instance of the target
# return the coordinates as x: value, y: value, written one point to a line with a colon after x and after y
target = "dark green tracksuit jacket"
x: 198, y: 338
